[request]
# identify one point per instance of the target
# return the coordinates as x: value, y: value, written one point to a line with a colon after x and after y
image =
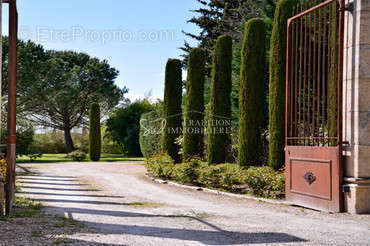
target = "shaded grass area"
x: 51, y: 158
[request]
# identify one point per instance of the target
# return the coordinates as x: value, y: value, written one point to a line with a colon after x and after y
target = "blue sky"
x: 136, y: 37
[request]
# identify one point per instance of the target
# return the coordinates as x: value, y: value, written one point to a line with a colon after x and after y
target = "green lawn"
x: 63, y: 158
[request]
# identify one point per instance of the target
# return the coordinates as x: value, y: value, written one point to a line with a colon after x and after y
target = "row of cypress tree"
x: 252, y: 97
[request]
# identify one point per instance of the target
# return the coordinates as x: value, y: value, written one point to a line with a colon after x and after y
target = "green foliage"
x: 252, y: 103
x: 123, y: 126
x: 94, y: 132
x: 277, y: 83
x: 220, y: 103
x: 188, y: 172
x: 24, y: 134
x: 48, y: 143
x: 215, y: 18
x: 161, y: 166
x: 265, y: 181
x: 260, y: 181
x: 77, y: 155
x: 3, y: 165
x: 55, y: 88
x: 194, y: 109
x: 225, y: 176
x: 172, y: 111
x: 151, y: 125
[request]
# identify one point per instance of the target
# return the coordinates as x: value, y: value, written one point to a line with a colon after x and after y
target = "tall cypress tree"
x: 252, y: 98
x: 172, y: 108
x: 278, y: 48
x: 220, y: 111
x: 94, y: 132
x: 194, y: 109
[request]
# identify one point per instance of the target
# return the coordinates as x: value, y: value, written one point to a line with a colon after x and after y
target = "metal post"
x: 12, y: 95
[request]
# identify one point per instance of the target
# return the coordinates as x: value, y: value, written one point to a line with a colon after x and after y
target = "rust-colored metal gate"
x: 314, y: 105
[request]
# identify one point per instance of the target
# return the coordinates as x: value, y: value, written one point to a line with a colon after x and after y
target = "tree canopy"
x: 55, y: 88
x: 123, y: 126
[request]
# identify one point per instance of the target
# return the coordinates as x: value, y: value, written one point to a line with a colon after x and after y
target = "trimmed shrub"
x: 220, y: 103
x: 194, y: 109
x: 265, y: 181
x: 160, y: 166
x: 77, y: 155
x: 210, y: 176
x: 151, y: 125
x: 94, y: 132
x: 172, y: 111
x: 187, y: 173
x: 260, y: 181
x: 252, y: 98
x: 278, y: 48
x: 231, y: 176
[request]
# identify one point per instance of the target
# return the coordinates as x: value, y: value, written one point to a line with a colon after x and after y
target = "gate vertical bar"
x: 296, y: 103
x: 12, y: 88
x: 300, y: 77
x: 288, y: 78
x: 328, y: 66
x: 309, y: 75
x: 314, y: 112
x: 304, y: 76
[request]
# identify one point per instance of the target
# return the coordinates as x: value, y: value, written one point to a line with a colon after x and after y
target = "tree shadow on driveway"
x: 216, y: 236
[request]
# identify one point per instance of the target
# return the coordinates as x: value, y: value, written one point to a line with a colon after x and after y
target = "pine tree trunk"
x: 68, y: 140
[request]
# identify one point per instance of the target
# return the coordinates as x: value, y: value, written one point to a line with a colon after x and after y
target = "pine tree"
x: 252, y: 97
x: 94, y: 132
x: 194, y: 109
x: 278, y: 48
x: 220, y: 103
x: 172, y: 108
x: 216, y: 18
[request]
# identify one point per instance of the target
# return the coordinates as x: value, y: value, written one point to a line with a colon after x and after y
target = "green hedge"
x: 219, y: 138
x: 277, y: 83
x: 260, y: 181
x: 172, y: 111
x: 252, y: 97
x: 150, y: 138
x: 194, y: 109
x: 94, y: 132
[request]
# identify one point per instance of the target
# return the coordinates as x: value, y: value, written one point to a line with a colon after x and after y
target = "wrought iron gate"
x: 314, y: 105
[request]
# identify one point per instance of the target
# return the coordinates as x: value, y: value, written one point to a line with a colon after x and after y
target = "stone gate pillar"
x: 356, y: 113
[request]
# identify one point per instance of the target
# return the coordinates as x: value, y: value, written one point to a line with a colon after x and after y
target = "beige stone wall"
x: 356, y: 113
x: 357, y: 89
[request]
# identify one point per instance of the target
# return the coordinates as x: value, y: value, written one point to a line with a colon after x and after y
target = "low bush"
x: 160, y: 166
x: 265, y: 181
x: 77, y: 155
x: 187, y: 173
x: 259, y: 181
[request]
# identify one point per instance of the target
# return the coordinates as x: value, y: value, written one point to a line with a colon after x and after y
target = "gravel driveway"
x: 121, y: 206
